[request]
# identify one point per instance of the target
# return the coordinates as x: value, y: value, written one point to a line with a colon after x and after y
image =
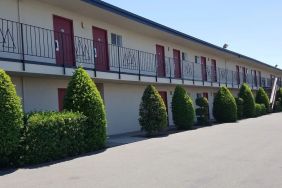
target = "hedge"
x: 239, y: 104
x: 260, y: 110
x: 83, y: 96
x: 11, y: 120
x: 50, y: 136
x: 224, y: 106
x: 152, y: 113
x: 202, y: 111
x: 262, y: 98
x: 249, y: 102
x: 182, y: 109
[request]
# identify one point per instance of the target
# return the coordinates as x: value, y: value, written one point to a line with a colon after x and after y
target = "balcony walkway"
x: 244, y: 154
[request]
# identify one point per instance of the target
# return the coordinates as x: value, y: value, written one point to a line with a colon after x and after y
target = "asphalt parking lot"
x: 244, y: 154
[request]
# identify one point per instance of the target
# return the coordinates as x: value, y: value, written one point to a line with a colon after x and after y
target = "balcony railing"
x: 30, y: 44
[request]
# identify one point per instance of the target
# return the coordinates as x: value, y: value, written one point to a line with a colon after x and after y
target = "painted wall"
x: 121, y: 100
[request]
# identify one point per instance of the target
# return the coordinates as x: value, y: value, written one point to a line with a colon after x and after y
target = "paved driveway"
x: 245, y: 154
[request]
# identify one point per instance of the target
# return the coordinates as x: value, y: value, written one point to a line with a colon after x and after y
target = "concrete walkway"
x: 245, y: 154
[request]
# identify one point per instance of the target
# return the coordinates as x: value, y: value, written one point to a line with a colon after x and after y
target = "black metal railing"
x: 27, y: 43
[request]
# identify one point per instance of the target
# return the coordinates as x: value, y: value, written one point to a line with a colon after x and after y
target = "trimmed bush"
x: 11, y: 122
x: 53, y: 135
x: 277, y: 105
x: 260, y: 110
x: 202, y: 111
x: 152, y: 113
x: 249, y: 102
x: 83, y: 96
x: 224, y: 106
x: 239, y: 104
x: 262, y: 98
x: 182, y: 109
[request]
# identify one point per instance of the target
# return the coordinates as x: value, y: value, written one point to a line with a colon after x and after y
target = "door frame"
x: 72, y: 37
x: 106, y: 43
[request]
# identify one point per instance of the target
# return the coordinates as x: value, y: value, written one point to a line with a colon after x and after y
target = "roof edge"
x: 140, y: 19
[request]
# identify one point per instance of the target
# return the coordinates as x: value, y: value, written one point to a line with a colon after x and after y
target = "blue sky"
x: 250, y: 27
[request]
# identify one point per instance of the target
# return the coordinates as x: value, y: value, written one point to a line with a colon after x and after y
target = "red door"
x: 64, y: 45
x: 204, y: 68
x: 206, y: 95
x: 214, y: 70
x: 238, y: 74
x: 255, y: 78
x: 101, y: 49
x: 244, y: 74
x: 160, y: 60
x: 61, y: 96
x: 177, y: 66
x: 163, y: 94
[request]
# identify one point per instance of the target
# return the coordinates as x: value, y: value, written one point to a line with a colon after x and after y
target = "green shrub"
x: 53, y: 135
x: 239, y: 104
x: 260, y: 110
x: 83, y: 96
x: 277, y: 105
x: 152, y: 113
x: 224, y: 106
x: 279, y: 93
x: 202, y: 111
x: 249, y: 103
x: 182, y: 109
x: 262, y: 98
x: 11, y: 122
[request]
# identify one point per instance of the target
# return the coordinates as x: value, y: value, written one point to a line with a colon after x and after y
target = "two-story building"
x: 43, y: 41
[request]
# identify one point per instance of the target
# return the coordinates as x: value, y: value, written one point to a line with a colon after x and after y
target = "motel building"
x: 43, y: 41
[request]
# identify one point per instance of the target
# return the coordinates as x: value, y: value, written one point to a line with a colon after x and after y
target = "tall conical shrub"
x: 262, y: 98
x: 224, y: 106
x: 182, y: 109
x: 249, y: 102
x: 83, y: 96
x: 11, y: 119
x: 152, y: 112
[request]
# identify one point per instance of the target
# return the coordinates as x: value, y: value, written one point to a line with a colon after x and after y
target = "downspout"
x: 22, y: 78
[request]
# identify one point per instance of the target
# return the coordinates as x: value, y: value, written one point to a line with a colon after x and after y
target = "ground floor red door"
x: 160, y: 60
x: 163, y: 94
x: 61, y: 96
x: 177, y: 63
x: 64, y: 41
x: 101, y: 49
x: 204, y: 68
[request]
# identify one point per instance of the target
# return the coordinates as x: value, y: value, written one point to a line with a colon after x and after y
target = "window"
x: 116, y: 39
x: 199, y: 95
x: 184, y: 56
x: 197, y: 59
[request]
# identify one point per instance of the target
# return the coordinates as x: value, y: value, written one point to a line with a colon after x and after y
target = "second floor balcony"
x: 25, y: 43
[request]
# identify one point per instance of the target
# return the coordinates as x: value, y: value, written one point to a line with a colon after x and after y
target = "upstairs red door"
x: 238, y: 74
x: 244, y: 74
x: 101, y: 49
x: 177, y: 66
x: 163, y: 94
x: 160, y: 60
x: 214, y: 70
x: 64, y: 43
x: 204, y: 68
